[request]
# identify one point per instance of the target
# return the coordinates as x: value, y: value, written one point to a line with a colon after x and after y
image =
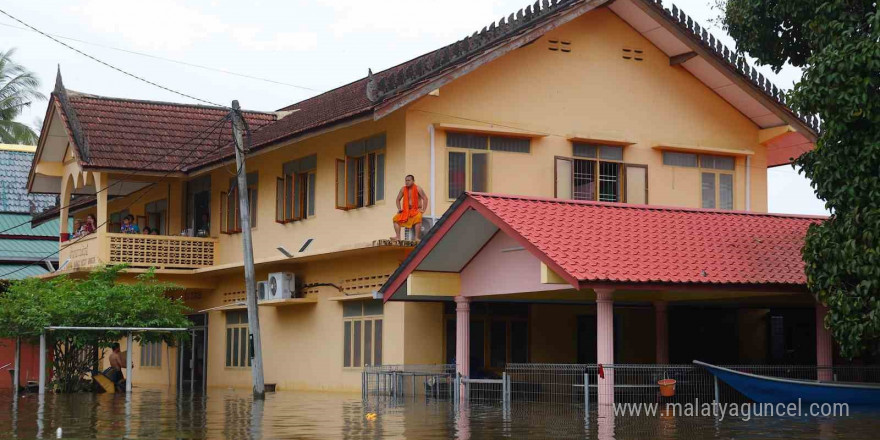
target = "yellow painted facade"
x: 590, y: 92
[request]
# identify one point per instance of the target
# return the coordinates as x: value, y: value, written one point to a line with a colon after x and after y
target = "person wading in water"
x: 415, y: 202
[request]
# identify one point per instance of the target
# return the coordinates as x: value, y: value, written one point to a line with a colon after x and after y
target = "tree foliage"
x: 30, y: 305
x: 837, y: 45
x: 19, y: 88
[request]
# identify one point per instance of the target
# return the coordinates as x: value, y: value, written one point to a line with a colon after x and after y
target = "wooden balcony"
x: 141, y: 251
x: 161, y: 251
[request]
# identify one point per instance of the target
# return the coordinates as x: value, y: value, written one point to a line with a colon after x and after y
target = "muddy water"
x: 229, y: 414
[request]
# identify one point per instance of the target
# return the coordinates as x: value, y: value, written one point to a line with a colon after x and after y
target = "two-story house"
x: 609, y: 104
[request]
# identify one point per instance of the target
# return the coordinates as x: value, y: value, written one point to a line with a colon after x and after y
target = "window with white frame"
x: 716, y: 176
x: 360, y: 177
x: 237, y: 339
x: 295, y: 192
x: 598, y: 173
x: 151, y: 354
x: 362, y: 333
x: 468, y: 157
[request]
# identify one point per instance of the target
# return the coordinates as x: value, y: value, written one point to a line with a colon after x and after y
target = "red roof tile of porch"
x: 614, y: 242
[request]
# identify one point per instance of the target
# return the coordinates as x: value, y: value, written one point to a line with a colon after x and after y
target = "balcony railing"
x: 161, y: 251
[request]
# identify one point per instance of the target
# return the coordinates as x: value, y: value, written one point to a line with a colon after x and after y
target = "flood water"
x: 155, y: 413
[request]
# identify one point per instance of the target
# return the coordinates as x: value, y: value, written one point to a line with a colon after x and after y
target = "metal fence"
x: 408, y: 380
x: 581, y: 385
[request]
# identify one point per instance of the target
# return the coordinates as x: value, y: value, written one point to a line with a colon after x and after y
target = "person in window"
x: 204, y: 228
x: 147, y: 230
x: 414, y: 204
x: 77, y: 225
x: 88, y: 227
x: 155, y: 231
x: 129, y: 226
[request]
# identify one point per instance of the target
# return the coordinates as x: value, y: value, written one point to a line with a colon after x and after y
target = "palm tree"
x: 19, y: 87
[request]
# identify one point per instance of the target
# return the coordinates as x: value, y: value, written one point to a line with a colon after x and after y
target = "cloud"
x: 248, y: 37
x: 413, y: 19
x: 156, y: 24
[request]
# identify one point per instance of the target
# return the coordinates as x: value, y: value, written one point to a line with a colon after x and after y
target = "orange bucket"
x: 667, y: 387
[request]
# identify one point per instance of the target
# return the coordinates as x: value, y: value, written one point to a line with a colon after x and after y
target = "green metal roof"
x: 23, y: 249
x: 12, y: 222
x: 24, y: 272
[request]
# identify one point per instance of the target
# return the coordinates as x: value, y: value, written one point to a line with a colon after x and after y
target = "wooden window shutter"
x: 279, y: 200
x: 288, y: 197
x: 564, y: 176
x: 224, y: 216
x: 340, y: 185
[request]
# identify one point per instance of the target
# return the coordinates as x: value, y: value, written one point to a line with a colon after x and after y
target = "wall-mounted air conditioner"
x: 281, y: 285
x: 262, y: 290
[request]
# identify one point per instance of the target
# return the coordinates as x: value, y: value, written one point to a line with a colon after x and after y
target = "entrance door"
x: 193, y: 367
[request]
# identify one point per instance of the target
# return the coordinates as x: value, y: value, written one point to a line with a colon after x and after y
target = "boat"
x: 765, y: 389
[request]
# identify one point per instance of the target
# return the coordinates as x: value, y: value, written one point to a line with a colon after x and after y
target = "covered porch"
x: 543, y: 281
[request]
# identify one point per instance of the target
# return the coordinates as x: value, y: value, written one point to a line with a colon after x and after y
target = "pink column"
x: 661, y: 330
x: 462, y: 335
x: 823, y: 344
x: 605, y: 347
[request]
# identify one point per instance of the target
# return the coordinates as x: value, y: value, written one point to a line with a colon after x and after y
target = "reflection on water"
x: 230, y: 414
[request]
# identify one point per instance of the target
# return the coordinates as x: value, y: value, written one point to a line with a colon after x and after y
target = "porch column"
x: 101, y: 181
x: 661, y: 330
x: 462, y: 335
x: 605, y: 347
x: 64, y: 201
x: 823, y: 344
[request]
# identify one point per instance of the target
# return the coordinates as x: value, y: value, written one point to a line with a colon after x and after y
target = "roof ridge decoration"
x: 446, y: 56
x: 733, y: 58
x: 76, y: 129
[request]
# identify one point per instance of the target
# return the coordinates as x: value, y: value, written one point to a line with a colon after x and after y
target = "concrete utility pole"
x: 249, y: 281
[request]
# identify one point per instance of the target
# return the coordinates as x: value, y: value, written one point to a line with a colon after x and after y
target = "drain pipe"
x: 433, y: 176
x: 748, y: 183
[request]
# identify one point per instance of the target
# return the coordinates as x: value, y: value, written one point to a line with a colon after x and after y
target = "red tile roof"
x: 617, y: 242
x: 596, y: 243
x: 147, y: 135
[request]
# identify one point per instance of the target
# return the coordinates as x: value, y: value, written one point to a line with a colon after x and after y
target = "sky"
x: 275, y: 53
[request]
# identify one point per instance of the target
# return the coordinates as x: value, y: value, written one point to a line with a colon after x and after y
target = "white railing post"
x: 128, y: 350
x: 42, y: 383
x: 16, y: 372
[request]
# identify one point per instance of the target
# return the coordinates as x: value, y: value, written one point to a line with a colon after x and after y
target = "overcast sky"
x: 299, y: 48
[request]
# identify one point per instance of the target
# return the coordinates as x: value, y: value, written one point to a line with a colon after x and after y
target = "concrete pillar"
x: 605, y: 347
x: 462, y: 335
x: 823, y: 344
x: 64, y: 201
x: 42, y: 381
x: 661, y: 330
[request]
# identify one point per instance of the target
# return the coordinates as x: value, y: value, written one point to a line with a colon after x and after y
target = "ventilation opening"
x: 632, y: 54
x: 559, y: 45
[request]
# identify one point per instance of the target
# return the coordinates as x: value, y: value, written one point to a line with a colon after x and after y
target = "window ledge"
x: 491, y: 129
x: 599, y: 139
x: 702, y: 149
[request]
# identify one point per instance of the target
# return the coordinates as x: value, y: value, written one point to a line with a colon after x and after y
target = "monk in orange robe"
x: 414, y: 204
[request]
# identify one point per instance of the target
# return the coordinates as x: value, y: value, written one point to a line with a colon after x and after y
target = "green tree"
x: 837, y: 45
x: 18, y: 89
x: 100, y: 300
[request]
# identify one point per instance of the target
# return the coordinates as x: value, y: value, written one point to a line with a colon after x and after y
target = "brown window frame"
x: 621, y: 177
x: 366, y: 184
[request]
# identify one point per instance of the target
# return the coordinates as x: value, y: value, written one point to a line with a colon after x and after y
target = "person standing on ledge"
x: 415, y: 202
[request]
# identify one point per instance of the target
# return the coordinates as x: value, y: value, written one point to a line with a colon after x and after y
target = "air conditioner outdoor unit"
x: 281, y: 285
x: 262, y: 290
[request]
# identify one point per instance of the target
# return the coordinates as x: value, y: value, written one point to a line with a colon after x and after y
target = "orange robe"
x: 410, y: 216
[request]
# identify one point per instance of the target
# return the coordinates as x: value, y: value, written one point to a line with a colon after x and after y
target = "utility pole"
x: 249, y: 281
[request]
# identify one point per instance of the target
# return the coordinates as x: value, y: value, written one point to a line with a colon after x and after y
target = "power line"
x: 211, y: 127
x: 142, y: 190
x: 124, y: 72
x: 170, y: 60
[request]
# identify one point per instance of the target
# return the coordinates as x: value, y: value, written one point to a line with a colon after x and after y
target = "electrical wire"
x: 171, y: 60
x: 124, y: 72
x: 143, y: 191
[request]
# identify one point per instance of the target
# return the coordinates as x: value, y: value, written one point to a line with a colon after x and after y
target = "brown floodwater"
x: 159, y: 413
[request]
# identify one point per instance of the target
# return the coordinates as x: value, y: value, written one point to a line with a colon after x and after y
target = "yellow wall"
x: 590, y: 91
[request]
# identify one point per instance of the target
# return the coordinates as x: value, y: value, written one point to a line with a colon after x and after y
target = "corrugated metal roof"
x: 14, y: 169
x: 9, y: 225
x: 26, y: 249
x: 21, y: 271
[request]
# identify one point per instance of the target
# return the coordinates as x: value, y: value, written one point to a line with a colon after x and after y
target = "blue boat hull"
x: 763, y: 389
